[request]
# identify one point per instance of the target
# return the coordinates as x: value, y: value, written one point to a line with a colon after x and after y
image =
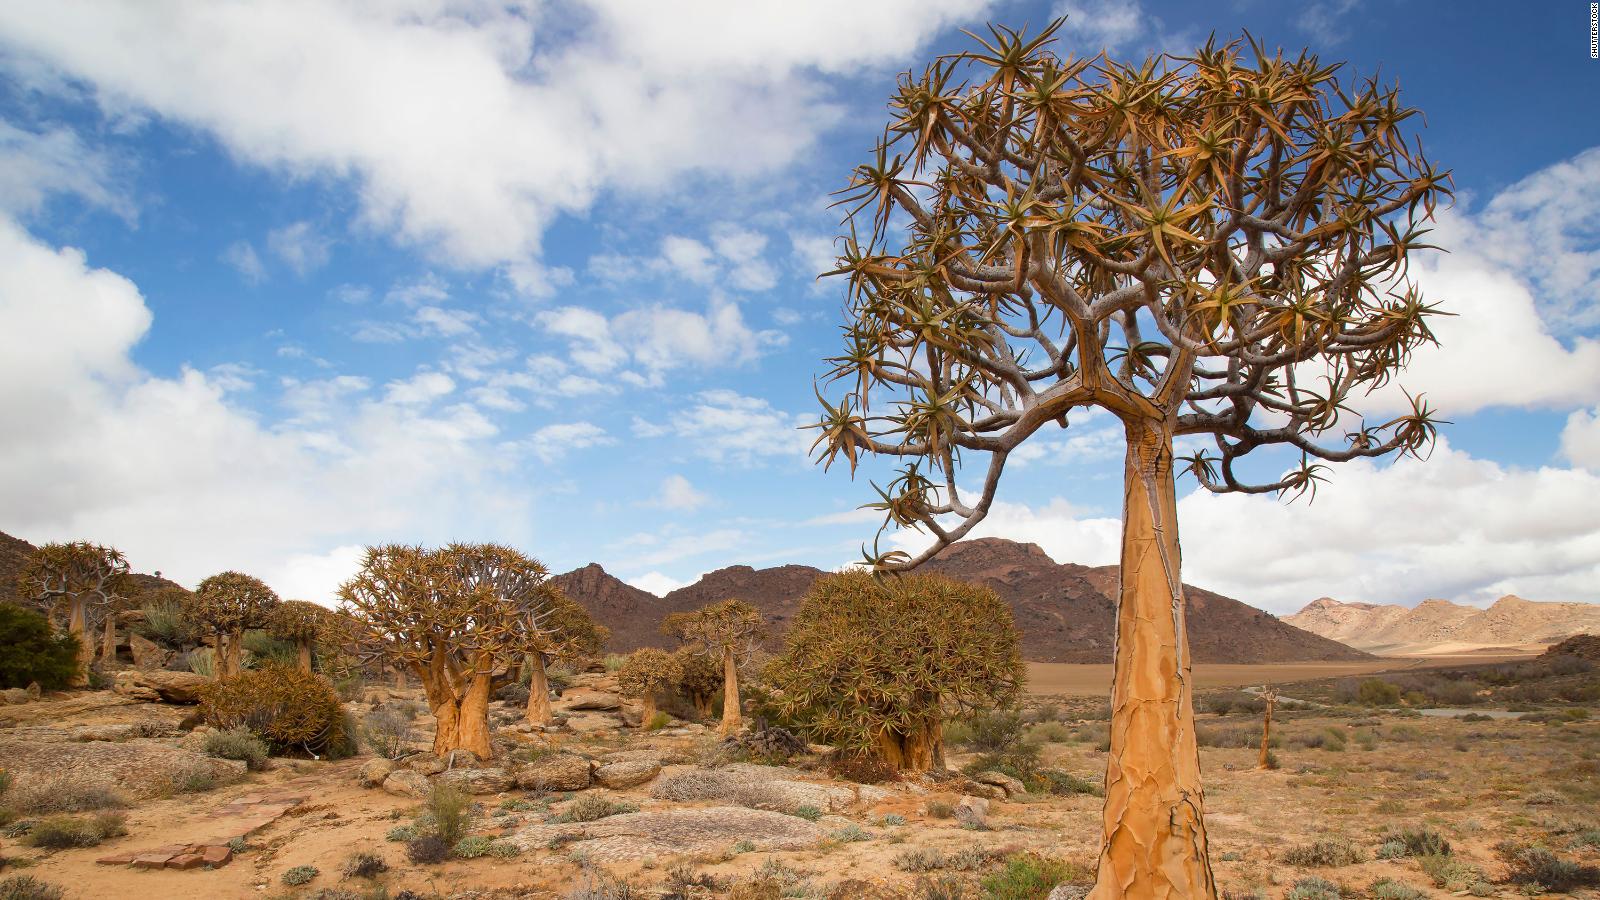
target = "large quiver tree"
x: 458, y: 618
x: 728, y: 632
x: 304, y: 623
x: 565, y: 631
x: 84, y: 582
x: 227, y: 605
x: 876, y: 664
x: 1213, y: 247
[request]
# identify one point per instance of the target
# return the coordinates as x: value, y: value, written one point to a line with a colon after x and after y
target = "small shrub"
x: 27, y: 887
x: 589, y: 807
x: 1050, y: 733
x: 30, y: 651
x: 1424, y: 842
x: 1027, y: 876
x: 472, y: 846
x: 1392, y: 849
x: 299, y: 875
x: 850, y: 834
x: 892, y: 819
x: 388, y: 732
x: 1377, y: 692
x: 614, y: 661
x: 1389, y: 889
x: 240, y: 744
x: 504, y: 850
x: 62, y: 794
x: 745, y: 846
x: 401, y: 833
x: 1313, y: 888
x: 65, y: 832
x: 938, y: 809
x: 808, y: 812
x: 919, y: 859
x: 293, y: 711
x: 657, y: 721
x: 1059, y: 783
x: 202, y: 661
x: 1448, y: 872
x: 364, y: 865
x: 1536, y: 865
x: 995, y: 730
x: 945, y: 887
x: 427, y: 849
x: 449, y: 813
x: 1322, y: 854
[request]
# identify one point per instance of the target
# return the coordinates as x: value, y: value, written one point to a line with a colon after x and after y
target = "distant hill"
x: 14, y: 554
x: 1439, y: 626
x: 1064, y: 611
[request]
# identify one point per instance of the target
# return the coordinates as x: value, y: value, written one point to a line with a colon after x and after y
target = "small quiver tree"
x: 564, y: 631
x: 302, y: 622
x: 702, y: 678
x: 1212, y: 247
x: 645, y: 675
x: 1270, y: 695
x: 876, y: 663
x: 728, y: 632
x: 457, y: 618
x: 81, y: 581
x: 227, y: 605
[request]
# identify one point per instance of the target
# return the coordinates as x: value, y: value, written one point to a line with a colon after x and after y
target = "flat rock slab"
x: 139, y: 769
x: 643, y: 835
x: 252, y: 813
x: 759, y: 787
x: 173, y: 856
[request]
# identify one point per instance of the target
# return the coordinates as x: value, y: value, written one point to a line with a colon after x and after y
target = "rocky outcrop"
x: 478, y: 781
x: 160, y: 686
x: 671, y: 832
x: 556, y: 772
x: 627, y: 773
x: 138, y: 769
x: 758, y: 787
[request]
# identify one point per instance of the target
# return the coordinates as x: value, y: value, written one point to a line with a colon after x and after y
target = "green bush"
x: 29, y: 652
x: 300, y: 875
x: 589, y: 807
x: 1027, y: 876
x: 1389, y: 889
x: 27, y: 887
x: 388, y: 732
x: 293, y: 711
x: 472, y: 846
x: 808, y: 812
x: 1323, y: 854
x: 1377, y: 692
x: 1423, y: 842
x: 1535, y: 865
x: 64, y: 832
x: 1313, y: 888
x: 1448, y: 872
x: 240, y: 744
x: 448, y: 812
x: 165, y: 624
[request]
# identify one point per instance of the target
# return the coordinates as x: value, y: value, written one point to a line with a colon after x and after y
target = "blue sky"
x: 281, y: 279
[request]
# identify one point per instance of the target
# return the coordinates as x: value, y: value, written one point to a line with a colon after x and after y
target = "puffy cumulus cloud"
x: 657, y: 583
x: 465, y: 125
x: 731, y: 256
x: 1452, y: 526
x: 184, y: 480
x: 726, y: 426
x: 678, y: 494
x: 1580, y: 439
x: 657, y: 338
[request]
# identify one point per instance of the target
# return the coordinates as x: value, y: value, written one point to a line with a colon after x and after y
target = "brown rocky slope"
x: 1439, y: 625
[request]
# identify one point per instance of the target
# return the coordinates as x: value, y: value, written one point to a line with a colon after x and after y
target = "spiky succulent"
x: 300, y: 620
x: 732, y: 625
x: 81, y: 573
x: 231, y: 602
x: 648, y: 672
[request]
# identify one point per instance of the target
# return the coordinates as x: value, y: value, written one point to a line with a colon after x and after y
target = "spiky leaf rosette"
x: 868, y: 655
x: 299, y: 620
x: 567, y: 631
x: 461, y: 606
x: 729, y: 624
x: 1214, y: 245
x: 57, y: 575
x: 231, y: 601
x: 648, y: 672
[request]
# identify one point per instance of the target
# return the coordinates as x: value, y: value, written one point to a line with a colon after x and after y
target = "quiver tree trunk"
x: 303, y: 655
x: 108, y: 641
x: 918, y: 749
x: 460, y: 707
x: 1266, y: 730
x: 730, y: 695
x: 78, y: 626
x: 539, y: 711
x: 649, y: 711
x: 1154, y: 843
x: 235, y: 659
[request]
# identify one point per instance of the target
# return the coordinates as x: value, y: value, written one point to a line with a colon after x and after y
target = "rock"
x: 973, y: 812
x: 137, y: 769
x: 407, y: 783
x: 14, y: 695
x: 671, y: 832
x: 479, y: 781
x: 462, y: 759
x: 587, y: 699
x: 1011, y: 786
x: 987, y: 791
x: 557, y: 772
x: 661, y: 757
x: 375, y: 771
x: 425, y: 763
x: 160, y: 686
x: 1069, y: 892
x: 631, y: 716
x: 147, y: 654
x: 627, y: 773
x: 758, y: 787
x: 34, y: 691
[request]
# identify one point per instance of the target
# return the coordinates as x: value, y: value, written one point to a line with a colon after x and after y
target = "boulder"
x: 589, y: 699
x: 462, y: 759
x: 1011, y: 786
x: 973, y: 812
x: 557, y: 772
x: 160, y: 686
x: 671, y: 832
x: 147, y: 654
x: 406, y: 783
x: 627, y: 773
x: 14, y: 695
x: 758, y: 787
x: 138, y: 769
x: 375, y: 771
x: 479, y: 781
x: 1069, y: 892
x: 425, y: 763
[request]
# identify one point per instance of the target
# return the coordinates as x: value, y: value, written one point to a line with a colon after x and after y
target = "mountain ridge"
x: 1441, y: 625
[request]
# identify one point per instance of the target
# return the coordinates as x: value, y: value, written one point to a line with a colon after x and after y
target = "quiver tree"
x: 302, y: 622
x: 227, y: 605
x: 645, y: 675
x: 728, y: 632
x: 702, y: 678
x: 459, y: 618
x: 1270, y: 695
x: 84, y: 582
x: 565, y: 632
x: 876, y: 664
x: 1212, y: 247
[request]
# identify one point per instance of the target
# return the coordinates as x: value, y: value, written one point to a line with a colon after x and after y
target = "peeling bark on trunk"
x: 649, y: 712
x: 461, y: 716
x: 919, y: 750
x: 78, y: 625
x: 731, y: 722
x: 539, y: 711
x: 1154, y: 844
x: 304, y: 648
x: 219, y: 655
x: 1266, y: 729
x: 235, y: 653
x: 108, y: 643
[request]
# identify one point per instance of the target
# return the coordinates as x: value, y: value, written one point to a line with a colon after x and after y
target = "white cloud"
x: 35, y: 165
x: 197, y: 485
x: 445, y: 322
x: 1095, y: 25
x: 552, y: 442
x: 659, y: 549
x: 678, y: 494
x: 725, y: 426
x: 1580, y: 439
x: 244, y: 258
x: 735, y: 258
x: 300, y: 247
x: 1325, y: 21
x: 464, y: 129
x: 658, y: 338
x: 657, y: 583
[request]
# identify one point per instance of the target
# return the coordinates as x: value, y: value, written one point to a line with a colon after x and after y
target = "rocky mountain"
x: 1064, y: 611
x: 1434, y: 626
x: 14, y: 553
